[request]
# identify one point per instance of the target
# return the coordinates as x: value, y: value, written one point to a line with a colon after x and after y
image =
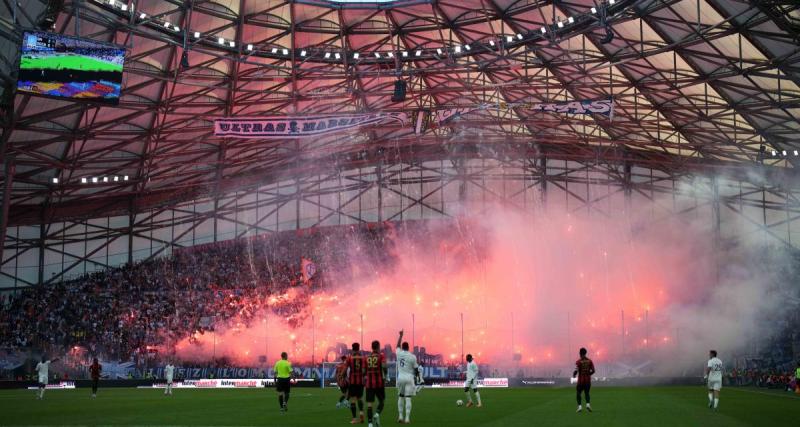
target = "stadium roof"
x: 695, y: 83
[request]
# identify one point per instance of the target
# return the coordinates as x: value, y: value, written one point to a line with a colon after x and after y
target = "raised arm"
x: 399, y: 339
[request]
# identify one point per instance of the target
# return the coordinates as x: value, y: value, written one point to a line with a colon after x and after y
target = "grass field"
x: 645, y: 406
x: 68, y: 62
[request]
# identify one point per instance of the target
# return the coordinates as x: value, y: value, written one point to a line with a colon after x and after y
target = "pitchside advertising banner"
x: 257, y: 383
x: 484, y: 383
x: 63, y: 385
x: 299, y: 126
x: 190, y: 372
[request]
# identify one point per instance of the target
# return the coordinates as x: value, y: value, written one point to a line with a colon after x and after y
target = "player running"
x: 584, y: 369
x: 472, y: 382
x: 355, y: 380
x: 43, y: 368
x: 376, y: 376
x: 713, y: 373
x: 406, y: 373
x: 94, y: 372
x: 169, y: 372
x: 283, y: 378
x: 341, y: 381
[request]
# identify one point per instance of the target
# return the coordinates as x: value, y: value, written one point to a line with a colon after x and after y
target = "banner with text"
x: 301, y: 126
x: 604, y: 107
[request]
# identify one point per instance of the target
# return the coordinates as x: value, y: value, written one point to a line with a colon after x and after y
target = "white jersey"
x: 43, y: 369
x: 169, y: 370
x: 472, y: 371
x: 714, y: 369
x: 406, y: 363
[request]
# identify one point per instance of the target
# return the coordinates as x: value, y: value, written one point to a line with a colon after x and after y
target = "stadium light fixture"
x: 784, y: 152
x: 519, y: 36
x: 123, y: 7
x: 116, y: 178
x: 285, y: 51
x: 405, y: 54
x: 571, y: 20
x: 176, y: 28
x: 355, y: 55
x: 142, y: 16
x: 419, y: 53
x: 232, y: 43
x: 166, y: 24
x: 594, y: 10
x: 543, y: 30
x: 327, y: 55
x: 390, y: 54
x: 197, y: 34
x: 795, y: 152
x: 612, y: 2
x: 439, y: 50
x: 249, y: 47
x: 274, y: 50
x: 491, y: 43
x: 84, y: 181
x: 221, y: 40
x: 377, y: 55
x: 94, y: 180
x: 467, y: 47
x: 111, y: 2
x: 774, y: 153
x: 55, y: 180
x: 560, y: 24
x: 303, y: 53
x: 105, y: 179
x: 457, y: 49
x: 509, y: 39
x: 125, y: 178
x: 337, y: 55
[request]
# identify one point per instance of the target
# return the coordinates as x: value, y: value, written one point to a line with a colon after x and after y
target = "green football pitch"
x: 68, y: 62
x: 613, y: 406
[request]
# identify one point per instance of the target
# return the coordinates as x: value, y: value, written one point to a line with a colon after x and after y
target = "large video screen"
x: 70, y: 67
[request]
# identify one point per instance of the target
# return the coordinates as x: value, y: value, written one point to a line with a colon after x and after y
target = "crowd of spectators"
x: 124, y: 312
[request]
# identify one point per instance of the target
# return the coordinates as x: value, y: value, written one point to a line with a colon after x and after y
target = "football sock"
x: 716, y: 402
x: 587, y: 398
x: 380, y: 407
x: 280, y: 400
x: 469, y: 397
x: 478, y: 397
x: 710, y: 398
x: 353, y: 408
x: 286, y: 399
x: 369, y: 413
x: 361, y: 406
x: 408, y: 408
x: 400, y: 401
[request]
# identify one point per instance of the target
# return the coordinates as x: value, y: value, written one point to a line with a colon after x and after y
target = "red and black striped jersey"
x: 375, y: 363
x: 585, y: 369
x: 341, y: 374
x: 355, y: 363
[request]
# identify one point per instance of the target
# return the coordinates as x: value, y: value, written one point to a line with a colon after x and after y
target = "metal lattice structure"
x: 702, y: 88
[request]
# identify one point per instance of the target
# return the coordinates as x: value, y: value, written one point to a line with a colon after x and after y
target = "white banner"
x: 63, y: 385
x: 604, y: 107
x: 301, y: 126
x: 485, y: 383
x: 223, y: 383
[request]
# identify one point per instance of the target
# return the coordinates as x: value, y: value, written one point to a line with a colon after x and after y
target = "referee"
x: 283, y: 375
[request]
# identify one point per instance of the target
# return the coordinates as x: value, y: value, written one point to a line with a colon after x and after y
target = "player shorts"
x: 715, y: 385
x: 379, y: 392
x: 42, y: 381
x: 585, y: 387
x: 355, y: 390
x: 471, y: 384
x: 343, y: 388
x: 283, y: 385
x: 406, y: 386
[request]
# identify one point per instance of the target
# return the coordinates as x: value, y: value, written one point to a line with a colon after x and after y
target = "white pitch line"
x: 765, y: 393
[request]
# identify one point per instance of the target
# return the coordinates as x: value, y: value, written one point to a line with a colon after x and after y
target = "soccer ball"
x: 459, y: 402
